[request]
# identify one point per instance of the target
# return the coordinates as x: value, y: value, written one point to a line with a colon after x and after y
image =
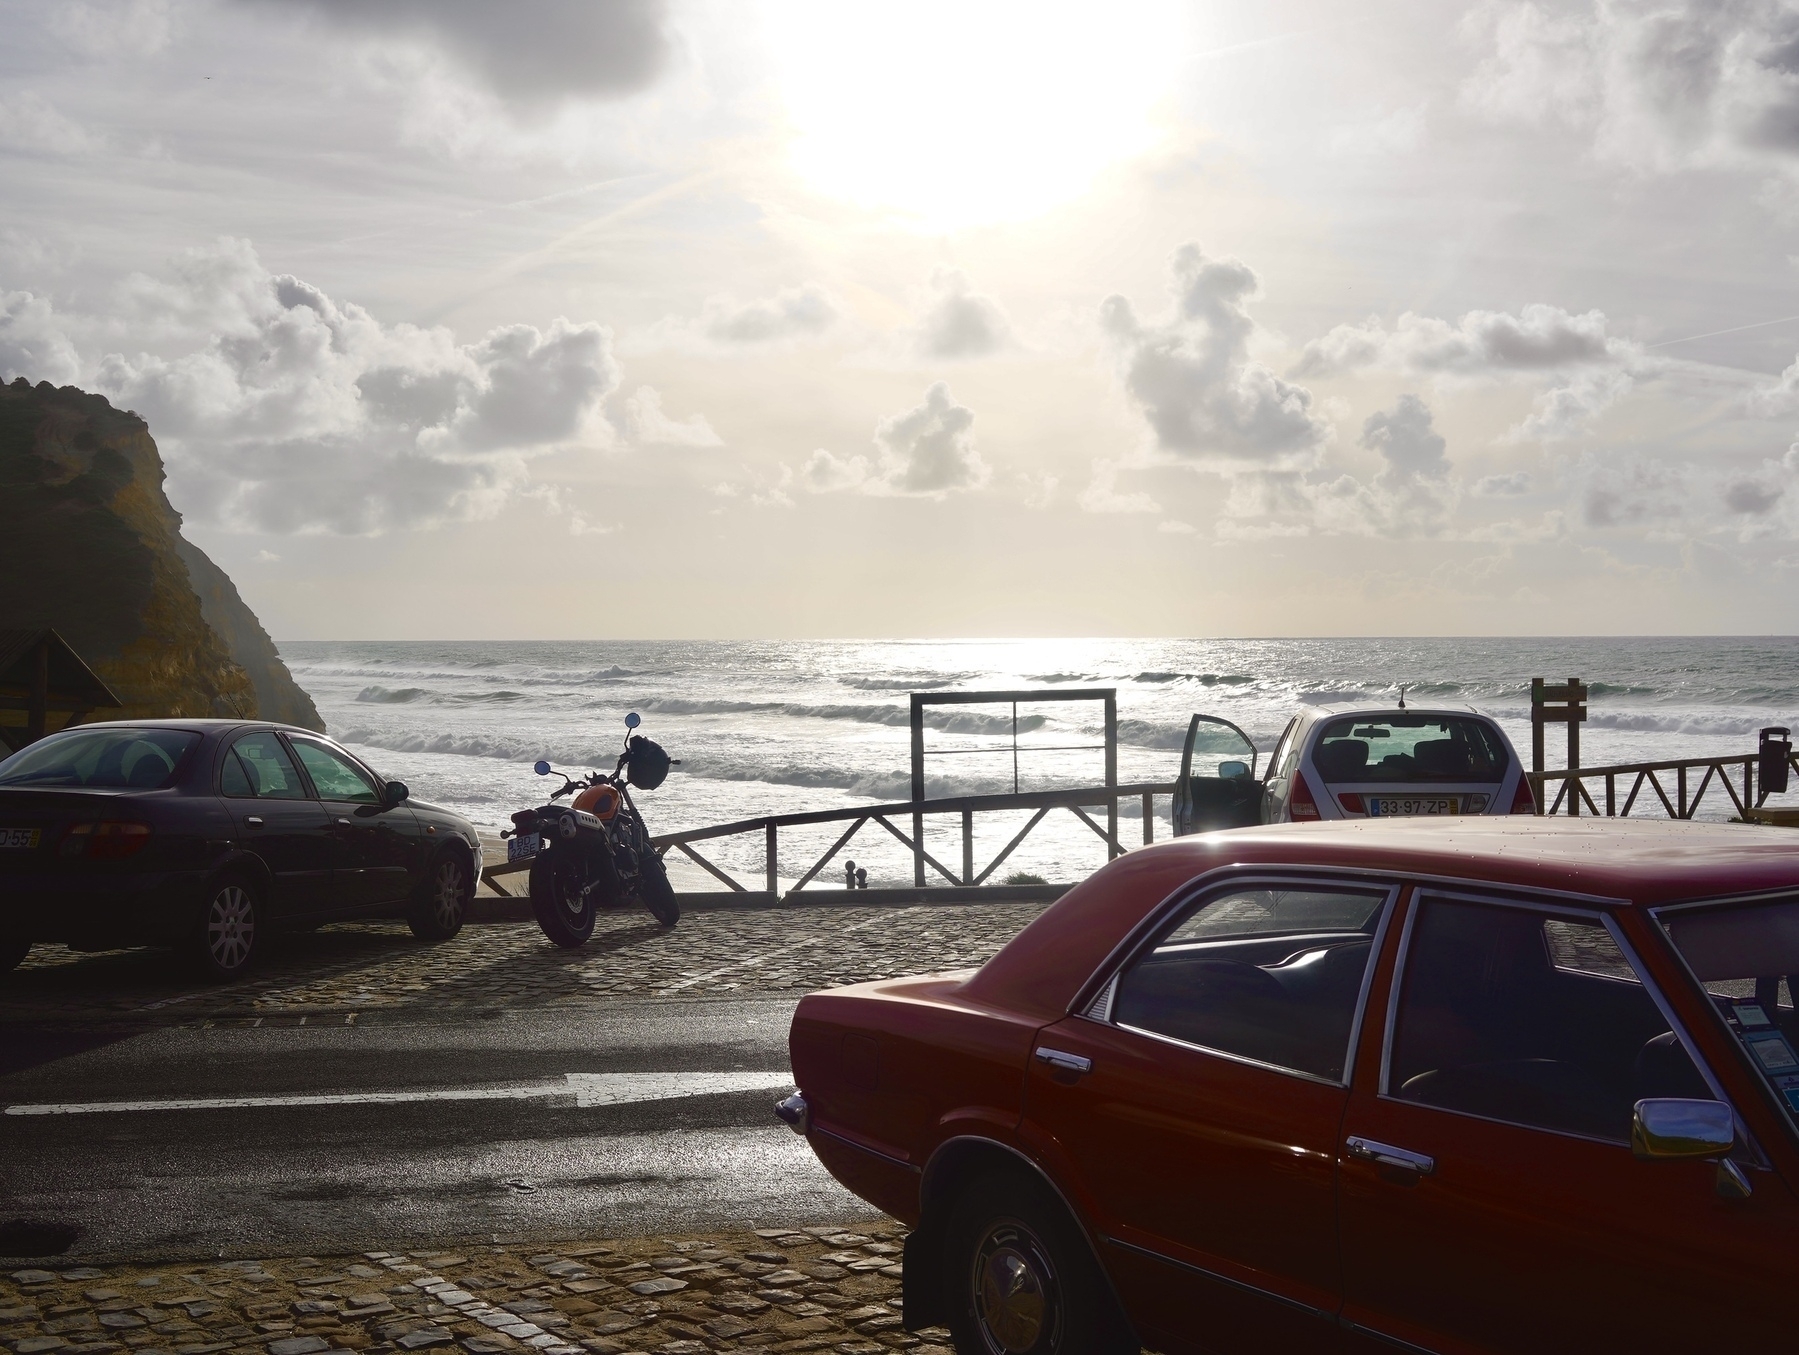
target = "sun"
x: 969, y: 112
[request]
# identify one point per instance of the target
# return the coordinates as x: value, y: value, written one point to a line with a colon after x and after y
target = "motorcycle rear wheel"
x: 657, y: 893
x: 563, y: 912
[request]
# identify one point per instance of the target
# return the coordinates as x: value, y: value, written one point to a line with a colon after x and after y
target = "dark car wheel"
x: 441, y: 903
x: 12, y: 955
x: 229, y: 938
x: 657, y: 893
x: 1021, y: 1280
x: 563, y: 911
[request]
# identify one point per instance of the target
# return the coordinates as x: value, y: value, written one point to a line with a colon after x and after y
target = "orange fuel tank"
x: 600, y: 801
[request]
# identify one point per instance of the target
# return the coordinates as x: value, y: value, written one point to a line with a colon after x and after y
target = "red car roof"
x: 1645, y: 862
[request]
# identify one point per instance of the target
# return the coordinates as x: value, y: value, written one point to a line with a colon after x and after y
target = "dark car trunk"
x: 51, y: 813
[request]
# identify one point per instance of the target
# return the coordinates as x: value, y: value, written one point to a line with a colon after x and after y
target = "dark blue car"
x: 209, y: 835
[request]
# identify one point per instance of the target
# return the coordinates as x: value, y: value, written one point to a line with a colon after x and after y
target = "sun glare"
x: 969, y: 112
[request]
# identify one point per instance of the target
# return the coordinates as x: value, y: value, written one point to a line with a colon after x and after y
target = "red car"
x: 1450, y: 1085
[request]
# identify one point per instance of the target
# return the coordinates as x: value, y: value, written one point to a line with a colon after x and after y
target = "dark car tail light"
x: 1302, y: 808
x: 1523, y: 802
x: 1351, y: 802
x: 110, y: 840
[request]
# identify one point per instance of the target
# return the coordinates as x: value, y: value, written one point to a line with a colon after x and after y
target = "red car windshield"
x: 1410, y: 748
x: 1746, y: 957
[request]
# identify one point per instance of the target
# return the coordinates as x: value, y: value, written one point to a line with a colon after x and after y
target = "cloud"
x: 1635, y: 493
x: 1753, y: 497
x: 1174, y: 527
x: 649, y: 426
x: 1501, y: 486
x: 1206, y: 402
x: 1666, y: 86
x: 928, y: 451
x: 283, y: 410
x: 1102, y: 494
x: 959, y: 323
x: 32, y: 342
x: 1590, y: 370
x: 725, y: 323
x: 527, y: 52
x: 1406, y: 438
x: 30, y: 125
x: 111, y: 28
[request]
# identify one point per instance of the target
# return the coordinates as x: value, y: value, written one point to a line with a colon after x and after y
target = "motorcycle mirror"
x: 633, y: 720
x: 542, y: 768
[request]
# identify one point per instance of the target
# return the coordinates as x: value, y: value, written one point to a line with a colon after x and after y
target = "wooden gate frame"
x: 1107, y: 695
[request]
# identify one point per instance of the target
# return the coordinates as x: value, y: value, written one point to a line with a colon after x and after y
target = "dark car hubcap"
x: 230, y: 927
x: 446, y: 897
x: 1015, y: 1299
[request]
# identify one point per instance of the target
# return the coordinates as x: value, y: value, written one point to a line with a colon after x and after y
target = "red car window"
x: 1265, y: 974
x: 1744, y: 955
x: 1538, y: 1021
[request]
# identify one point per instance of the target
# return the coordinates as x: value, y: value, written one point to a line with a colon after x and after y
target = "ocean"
x: 780, y: 726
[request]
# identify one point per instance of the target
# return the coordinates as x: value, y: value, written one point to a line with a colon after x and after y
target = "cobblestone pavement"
x: 346, y: 972
x: 777, y: 1289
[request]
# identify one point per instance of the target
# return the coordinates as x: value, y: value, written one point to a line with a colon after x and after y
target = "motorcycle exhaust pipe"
x: 574, y: 822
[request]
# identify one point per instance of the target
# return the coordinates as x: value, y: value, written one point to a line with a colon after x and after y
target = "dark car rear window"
x: 101, y: 759
x: 1402, y: 747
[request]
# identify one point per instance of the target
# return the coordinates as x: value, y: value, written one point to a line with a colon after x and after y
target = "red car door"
x: 1193, y: 1113
x: 1490, y: 1198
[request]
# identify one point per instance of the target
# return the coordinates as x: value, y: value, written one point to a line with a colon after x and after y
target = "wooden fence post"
x: 774, y: 880
x: 968, y: 846
x: 1111, y: 775
x: 917, y: 789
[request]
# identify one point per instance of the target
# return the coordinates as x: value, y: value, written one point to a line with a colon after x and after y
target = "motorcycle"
x: 595, y: 852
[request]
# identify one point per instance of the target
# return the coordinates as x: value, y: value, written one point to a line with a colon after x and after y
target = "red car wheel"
x: 1021, y: 1279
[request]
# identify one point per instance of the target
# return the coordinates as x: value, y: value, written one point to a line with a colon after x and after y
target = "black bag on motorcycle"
x: 648, y: 765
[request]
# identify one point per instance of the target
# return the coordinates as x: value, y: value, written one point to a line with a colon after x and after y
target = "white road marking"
x: 588, y: 1089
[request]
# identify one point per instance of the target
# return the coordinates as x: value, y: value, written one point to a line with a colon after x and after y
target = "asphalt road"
x: 627, y: 1120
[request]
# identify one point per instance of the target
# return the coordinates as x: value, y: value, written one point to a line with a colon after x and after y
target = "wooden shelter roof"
x: 72, y: 685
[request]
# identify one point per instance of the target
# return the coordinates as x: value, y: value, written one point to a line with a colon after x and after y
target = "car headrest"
x: 1340, y: 758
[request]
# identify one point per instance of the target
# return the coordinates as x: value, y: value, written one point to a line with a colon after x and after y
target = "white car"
x: 1352, y: 762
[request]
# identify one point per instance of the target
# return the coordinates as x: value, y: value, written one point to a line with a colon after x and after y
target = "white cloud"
x: 1102, y: 494
x: 1588, y: 369
x: 1206, y: 402
x: 927, y: 450
x: 959, y: 323
x: 526, y: 52
x: 32, y: 342
x: 650, y: 426
x: 1668, y: 85
x: 31, y: 125
x: 1174, y: 527
x: 1502, y: 486
x: 102, y: 29
x: 283, y: 410
x: 725, y: 324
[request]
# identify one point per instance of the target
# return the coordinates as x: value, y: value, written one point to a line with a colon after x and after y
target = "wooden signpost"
x: 1564, y: 704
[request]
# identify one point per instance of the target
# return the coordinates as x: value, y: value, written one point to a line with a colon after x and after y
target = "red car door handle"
x: 1065, y: 1063
x: 1386, y: 1155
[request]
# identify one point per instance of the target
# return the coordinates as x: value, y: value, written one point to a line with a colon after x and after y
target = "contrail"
x: 1759, y: 324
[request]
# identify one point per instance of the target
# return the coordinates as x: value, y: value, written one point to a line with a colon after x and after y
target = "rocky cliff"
x: 89, y: 544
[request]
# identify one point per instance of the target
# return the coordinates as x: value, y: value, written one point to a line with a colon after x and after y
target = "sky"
x: 649, y: 318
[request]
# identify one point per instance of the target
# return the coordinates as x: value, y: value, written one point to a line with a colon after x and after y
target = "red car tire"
x: 1020, y: 1278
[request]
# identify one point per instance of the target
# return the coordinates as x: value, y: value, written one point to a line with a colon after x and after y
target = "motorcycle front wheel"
x: 657, y: 893
x: 565, y: 914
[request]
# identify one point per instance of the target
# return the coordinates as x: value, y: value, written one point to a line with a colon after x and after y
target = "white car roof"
x: 1365, y: 708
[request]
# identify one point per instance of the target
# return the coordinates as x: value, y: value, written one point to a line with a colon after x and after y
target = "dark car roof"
x: 1636, y: 862
x: 208, y: 724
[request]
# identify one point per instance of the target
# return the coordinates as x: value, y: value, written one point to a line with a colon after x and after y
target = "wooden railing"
x: 1575, y: 794
x: 1077, y: 801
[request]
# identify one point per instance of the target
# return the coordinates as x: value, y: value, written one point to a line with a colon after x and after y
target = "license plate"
x: 19, y: 839
x: 1386, y: 806
x: 525, y: 844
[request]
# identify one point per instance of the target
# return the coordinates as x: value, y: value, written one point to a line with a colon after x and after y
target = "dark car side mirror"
x: 1674, y: 1129
x: 393, y: 793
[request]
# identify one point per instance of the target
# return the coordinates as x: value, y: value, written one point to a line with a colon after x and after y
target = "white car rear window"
x: 1409, y: 748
